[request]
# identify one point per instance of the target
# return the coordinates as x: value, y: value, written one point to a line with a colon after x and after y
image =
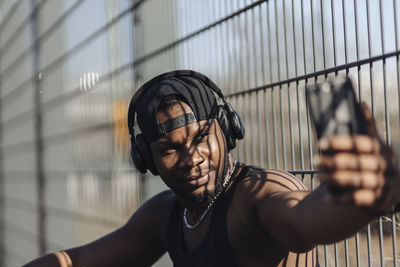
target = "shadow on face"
x: 190, y: 159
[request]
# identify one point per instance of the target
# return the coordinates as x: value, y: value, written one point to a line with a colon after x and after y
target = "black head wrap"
x: 197, y: 94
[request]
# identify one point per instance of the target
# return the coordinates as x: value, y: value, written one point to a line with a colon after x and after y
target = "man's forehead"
x: 191, y: 128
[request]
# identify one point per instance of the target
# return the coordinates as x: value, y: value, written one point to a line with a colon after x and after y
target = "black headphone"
x: 228, y: 119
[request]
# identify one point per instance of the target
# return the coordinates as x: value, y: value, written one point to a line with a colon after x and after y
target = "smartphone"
x: 334, y: 108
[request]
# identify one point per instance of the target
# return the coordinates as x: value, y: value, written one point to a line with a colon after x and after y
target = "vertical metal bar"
x: 256, y: 160
x: 357, y: 236
x: 253, y: 31
x: 394, y: 240
x: 218, y: 42
x: 381, y: 249
x: 226, y: 47
x: 344, y: 32
x: 297, y: 92
x: 333, y: 32
x: 358, y: 58
x: 346, y: 242
x: 288, y: 89
x: 346, y: 252
x: 304, y: 39
x: 373, y: 112
x: 369, y: 245
x: 240, y: 49
x: 272, y: 92
x: 312, y: 34
x: 267, y: 137
x: 370, y: 54
x: 277, y: 38
x: 259, y: 98
x: 2, y: 179
x: 358, y: 249
x: 223, y: 48
x: 259, y: 123
x: 185, y: 32
x: 242, y: 108
x: 326, y: 255
x: 388, y: 141
x: 265, y: 91
x: 306, y: 81
x: 238, y: 70
x: 283, y: 132
x: 283, y: 143
x: 241, y: 86
x: 239, y: 78
x: 336, y: 254
x: 394, y: 231
x: 208, y: 36
x: 248, y: 85
x: 323, y: 32
x: 275, y: 134
x: 40, y: 179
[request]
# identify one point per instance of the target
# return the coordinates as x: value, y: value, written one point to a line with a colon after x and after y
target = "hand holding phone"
x: 334, y: 108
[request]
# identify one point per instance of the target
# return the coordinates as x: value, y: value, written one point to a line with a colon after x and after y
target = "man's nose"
x: 192, y: 157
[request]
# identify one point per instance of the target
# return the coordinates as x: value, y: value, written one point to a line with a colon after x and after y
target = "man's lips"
x: 198, y: 179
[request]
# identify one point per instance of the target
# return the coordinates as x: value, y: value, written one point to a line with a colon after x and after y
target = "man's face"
x: 190, y: 159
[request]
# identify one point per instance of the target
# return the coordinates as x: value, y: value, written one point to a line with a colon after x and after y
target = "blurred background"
x: 69, y: 68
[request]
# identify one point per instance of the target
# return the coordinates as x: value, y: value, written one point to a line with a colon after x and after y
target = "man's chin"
x: 198, y: 197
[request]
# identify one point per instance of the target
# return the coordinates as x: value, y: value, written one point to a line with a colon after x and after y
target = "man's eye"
x: 167, y: 151
x: 201, y: 137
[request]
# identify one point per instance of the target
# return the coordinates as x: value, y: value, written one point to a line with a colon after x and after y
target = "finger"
x: 349, y: 161
x: 367, y: 180
x: 364, y: 197
x: 358, y: 143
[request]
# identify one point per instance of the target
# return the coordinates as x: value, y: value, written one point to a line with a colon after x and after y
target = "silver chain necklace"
x: 193, y: 226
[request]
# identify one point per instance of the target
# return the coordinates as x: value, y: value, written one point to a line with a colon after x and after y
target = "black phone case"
x: 334, y: 108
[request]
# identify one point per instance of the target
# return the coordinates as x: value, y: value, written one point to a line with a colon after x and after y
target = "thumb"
x: 369, y: 121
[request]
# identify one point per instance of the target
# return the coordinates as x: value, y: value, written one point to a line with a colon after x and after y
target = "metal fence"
x: 68, y: 70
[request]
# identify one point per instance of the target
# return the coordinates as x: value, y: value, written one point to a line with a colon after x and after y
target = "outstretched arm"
x: 360, y: 181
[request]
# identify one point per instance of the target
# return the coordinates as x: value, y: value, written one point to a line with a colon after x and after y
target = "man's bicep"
x: 274, y: 207
x: 117, y: 249
x: 138, y: 243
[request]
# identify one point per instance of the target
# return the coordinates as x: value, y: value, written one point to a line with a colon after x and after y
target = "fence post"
x: 2, y: 190
x: 40, y: 175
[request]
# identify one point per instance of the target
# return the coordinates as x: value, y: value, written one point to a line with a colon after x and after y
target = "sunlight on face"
x: 190, y: 159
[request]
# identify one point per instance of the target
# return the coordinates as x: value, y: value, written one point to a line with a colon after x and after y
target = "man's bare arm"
x: 360, y: 180
x: 138, y: 243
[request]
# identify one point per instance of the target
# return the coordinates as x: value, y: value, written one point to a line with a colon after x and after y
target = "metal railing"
x: 261, y: 53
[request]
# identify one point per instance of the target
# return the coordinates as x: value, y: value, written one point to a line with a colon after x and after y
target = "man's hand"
x: 361, y: 169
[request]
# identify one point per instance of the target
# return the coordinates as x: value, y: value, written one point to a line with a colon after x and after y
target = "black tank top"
x: 215, y: 248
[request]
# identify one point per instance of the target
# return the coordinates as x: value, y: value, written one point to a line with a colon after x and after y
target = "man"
x: 220, y: 212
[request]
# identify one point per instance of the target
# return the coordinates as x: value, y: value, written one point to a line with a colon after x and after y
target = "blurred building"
x: 69, y: 68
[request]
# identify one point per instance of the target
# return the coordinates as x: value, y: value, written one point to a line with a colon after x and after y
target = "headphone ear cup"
x: 224, y: 123
x: 141, y: 155
x: 137, y: 158
x: 235, y: 121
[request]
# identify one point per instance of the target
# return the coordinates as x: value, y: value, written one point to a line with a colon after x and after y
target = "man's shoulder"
x: 154, y: 211
x: 161, y: 203
x: 268, y: 180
